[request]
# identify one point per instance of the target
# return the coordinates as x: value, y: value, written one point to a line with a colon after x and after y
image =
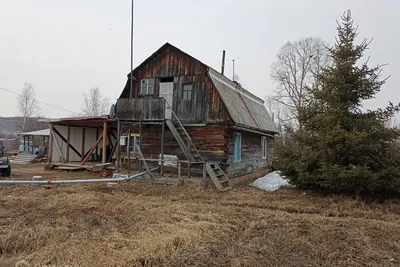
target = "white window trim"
x: 264, y: 147
x: 147, y: 87
x: 240, y: 148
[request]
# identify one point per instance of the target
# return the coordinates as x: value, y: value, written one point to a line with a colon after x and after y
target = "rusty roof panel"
x: 244, y: 108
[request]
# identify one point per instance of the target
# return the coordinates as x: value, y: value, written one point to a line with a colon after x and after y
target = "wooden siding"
x: 211, y: 142
x: 251, y: 153
x: 206, y: 106
x: 146, y: 109
x: 170, y: 62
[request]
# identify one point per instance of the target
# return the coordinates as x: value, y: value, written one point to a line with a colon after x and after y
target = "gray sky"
x: 63, y: 48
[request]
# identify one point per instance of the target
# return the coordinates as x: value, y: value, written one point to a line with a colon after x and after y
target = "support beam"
x: 204, y: 174
x: 179, y: 171
x: 50, y: 152
x: 59, y: 148
x: 68, y: 142
x: 140, y: 134
x: 162, y: 148
x: 144, y: 160
x: 129, y: 150
x: 65, y: 140
x: 92, y: 149
x: 97, y: 137
x: 83, y: 143
x: 118, y: 144
x: 104, y: 153
x: 112, y: 151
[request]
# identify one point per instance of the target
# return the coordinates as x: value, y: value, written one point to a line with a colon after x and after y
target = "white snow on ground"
x: 270, y: 182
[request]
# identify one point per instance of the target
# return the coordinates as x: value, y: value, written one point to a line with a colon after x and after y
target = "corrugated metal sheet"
x: 244, y: 108
x: 45, y: 132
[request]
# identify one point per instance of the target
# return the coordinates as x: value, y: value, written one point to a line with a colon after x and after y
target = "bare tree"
x: 295, y: 72
x: 94, y: 103
x: 27, y: 104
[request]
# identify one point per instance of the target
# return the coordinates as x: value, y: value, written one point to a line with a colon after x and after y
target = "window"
x: 147, y: 87
x: 237, y: 147
x: 134, y: 139
x: 187, y: 92
x: 264, y: 147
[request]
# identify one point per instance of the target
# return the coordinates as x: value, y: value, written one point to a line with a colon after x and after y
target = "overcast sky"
x: 63, y: 48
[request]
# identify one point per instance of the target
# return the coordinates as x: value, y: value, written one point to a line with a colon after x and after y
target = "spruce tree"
x: 342, y: 148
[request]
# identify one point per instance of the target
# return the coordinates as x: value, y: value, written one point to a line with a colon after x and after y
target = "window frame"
x: 146, y: 91
x: 264, y: 147
x: 136, y: 139
x: 237, y: 148
x: 183, y: 92
x: 124, y: 140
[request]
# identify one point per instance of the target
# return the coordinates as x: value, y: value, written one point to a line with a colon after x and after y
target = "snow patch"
x: 271, y: 182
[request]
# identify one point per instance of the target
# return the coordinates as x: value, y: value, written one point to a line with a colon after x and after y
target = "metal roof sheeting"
x: 244, y: 108
x: 45, y: 132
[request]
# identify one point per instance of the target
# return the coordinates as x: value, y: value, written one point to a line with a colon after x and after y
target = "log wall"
x: 251, y: 153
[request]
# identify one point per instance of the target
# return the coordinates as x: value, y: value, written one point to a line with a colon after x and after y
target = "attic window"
x: 147, y: 87
x: 187, y: 92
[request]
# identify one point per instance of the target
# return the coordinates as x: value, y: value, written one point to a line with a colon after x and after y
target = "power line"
x: 41, y: 102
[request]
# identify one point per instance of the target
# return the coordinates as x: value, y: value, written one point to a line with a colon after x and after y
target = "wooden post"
x: 162, y: 148
x: 179, y: 171
x: 140, y: 134
x: 104, y: 153
x: 129, y: 149
x: 58, y: 146
x: 92, y: 149
x: 97, y: 137
x: 68, y: 141
x: 204, y: 173
x: 118, y: 145
x: 50, y: 150
x: 83, y: 143
x: 189, y: 150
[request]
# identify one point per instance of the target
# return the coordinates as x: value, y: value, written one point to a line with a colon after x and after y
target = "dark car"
x: 5, y: 165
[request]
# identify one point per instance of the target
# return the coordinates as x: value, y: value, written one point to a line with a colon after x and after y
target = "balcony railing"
x: 145, y: 109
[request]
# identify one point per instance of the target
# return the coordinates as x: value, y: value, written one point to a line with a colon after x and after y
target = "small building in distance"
x: 179, y: 106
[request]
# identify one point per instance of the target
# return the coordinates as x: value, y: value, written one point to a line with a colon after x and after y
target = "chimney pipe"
x: 223, y: 62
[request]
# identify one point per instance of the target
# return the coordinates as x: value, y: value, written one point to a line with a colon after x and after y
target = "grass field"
x: 139, y: 224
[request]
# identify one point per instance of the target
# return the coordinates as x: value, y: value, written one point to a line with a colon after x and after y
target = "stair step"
x: 223, y: 181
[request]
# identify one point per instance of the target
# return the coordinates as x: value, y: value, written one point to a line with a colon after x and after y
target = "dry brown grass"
x: 138, y: 224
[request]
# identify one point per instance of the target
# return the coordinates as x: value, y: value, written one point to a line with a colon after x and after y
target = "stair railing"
x: 186, y: 133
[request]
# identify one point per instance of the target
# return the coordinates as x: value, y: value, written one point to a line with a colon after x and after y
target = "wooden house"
x: 179, y: 106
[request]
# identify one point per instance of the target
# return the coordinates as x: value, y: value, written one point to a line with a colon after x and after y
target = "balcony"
x: 145, y: 109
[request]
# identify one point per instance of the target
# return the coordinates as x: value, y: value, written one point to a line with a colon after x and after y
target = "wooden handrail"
x: 186, y: 133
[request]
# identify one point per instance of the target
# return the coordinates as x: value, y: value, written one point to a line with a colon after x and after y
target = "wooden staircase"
x: 185, y: 142
x: 218, y: 177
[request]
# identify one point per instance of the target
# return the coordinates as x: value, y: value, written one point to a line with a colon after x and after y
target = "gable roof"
x: 245, y: 109
x: 160, y: 51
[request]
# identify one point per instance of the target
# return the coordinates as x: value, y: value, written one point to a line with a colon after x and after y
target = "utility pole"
x: 131, y: 75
